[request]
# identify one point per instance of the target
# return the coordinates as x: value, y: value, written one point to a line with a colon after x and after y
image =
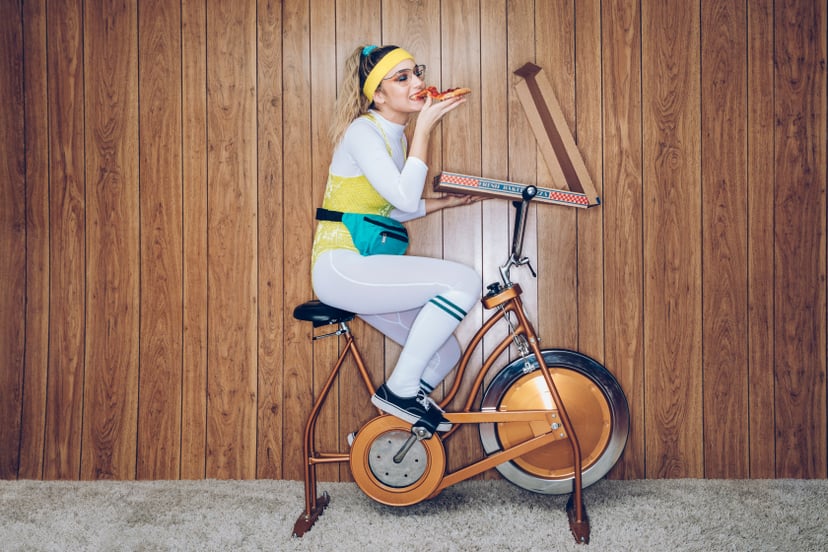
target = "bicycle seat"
x: 321, y: 314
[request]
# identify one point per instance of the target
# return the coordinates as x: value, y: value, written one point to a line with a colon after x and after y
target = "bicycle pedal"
x: 421, y: 432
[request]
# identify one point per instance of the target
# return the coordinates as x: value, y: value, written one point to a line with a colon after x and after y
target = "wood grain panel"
x: 231, y: 234
x: 462, y: 226
x: 194, y: 236
x: 799, y: 240
x: 588, y: 134
x: 37, y: 241
x: 67, y: 251
x: 524, y: 160
x: 556, y: 294
x: 760, y: 194
x: 111, y: 384
x: 623, y: 208
x: 159, y: 237
x: 494, y: 140
x: 297, y: 391
x: 724, y: 246
x: 494, y: 102
x: 12, y: 240
x: 523, y: 153
x: 672, y: 266
x: 159, y: 82
x: 272, y: 309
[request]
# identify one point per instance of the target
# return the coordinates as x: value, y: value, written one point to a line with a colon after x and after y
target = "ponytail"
x: 351, y: 103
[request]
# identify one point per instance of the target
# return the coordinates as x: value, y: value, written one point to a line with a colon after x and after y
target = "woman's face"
x: 394, y: 98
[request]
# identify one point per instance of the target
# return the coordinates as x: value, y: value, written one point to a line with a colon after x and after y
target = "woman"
x: 416, y: 301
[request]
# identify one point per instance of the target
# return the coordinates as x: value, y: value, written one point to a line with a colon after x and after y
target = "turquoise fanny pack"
x: 372, y: 234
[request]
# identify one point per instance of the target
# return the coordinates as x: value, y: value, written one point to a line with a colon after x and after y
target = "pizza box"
x: 451, y: 182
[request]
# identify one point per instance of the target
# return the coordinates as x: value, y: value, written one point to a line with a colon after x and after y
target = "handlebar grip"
x: 529, y: 192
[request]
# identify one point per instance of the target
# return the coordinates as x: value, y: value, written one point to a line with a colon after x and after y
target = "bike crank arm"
x: 417, y: 434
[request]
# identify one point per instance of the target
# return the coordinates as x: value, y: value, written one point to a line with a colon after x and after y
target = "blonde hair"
x: 351, y: 102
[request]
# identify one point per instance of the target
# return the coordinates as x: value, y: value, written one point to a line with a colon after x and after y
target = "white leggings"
x: 415, y: 301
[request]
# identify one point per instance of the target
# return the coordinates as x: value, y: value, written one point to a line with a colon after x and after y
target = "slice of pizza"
x: 444, y: 95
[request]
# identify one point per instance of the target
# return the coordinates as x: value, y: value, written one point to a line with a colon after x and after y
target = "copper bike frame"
x: 505, y: 301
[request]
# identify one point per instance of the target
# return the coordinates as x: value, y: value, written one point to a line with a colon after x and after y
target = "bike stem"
x: 521, y: 216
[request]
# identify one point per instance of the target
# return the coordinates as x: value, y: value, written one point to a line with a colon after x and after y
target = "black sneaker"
x: 411, y: 409
x: 431, y: 401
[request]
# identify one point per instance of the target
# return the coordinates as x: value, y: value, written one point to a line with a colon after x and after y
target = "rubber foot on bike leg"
x: 306, y: 520
x: 579, y: 528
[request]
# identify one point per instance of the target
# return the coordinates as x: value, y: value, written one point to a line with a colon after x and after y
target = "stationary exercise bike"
x: 553, y: 421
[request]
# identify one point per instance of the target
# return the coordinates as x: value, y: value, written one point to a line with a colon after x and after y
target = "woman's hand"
x: 447, y: 201
x: 434, y: 111
x: 431, y: 114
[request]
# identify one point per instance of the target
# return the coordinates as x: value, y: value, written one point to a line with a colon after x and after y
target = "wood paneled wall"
x: 162, y: 159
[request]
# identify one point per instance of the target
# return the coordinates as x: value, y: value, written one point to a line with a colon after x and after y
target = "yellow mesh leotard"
x: 348, y: 194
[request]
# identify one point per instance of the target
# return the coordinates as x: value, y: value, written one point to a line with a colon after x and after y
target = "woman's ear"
x: 379, y: 97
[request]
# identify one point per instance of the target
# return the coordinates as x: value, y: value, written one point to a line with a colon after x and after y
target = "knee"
x: 470, y: 282
x: 466, y: 286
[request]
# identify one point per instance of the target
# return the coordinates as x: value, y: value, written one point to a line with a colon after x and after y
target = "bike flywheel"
x: 596, y: 406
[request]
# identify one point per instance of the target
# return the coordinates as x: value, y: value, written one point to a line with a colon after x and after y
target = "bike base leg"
x: 579, y: 527
x: 307, y: 519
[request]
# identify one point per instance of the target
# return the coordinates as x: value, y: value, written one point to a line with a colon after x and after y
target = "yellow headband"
x: 381, y: 69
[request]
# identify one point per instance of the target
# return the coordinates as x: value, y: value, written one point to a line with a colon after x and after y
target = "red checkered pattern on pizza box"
x: 567, y: 197
x: 459, y: 180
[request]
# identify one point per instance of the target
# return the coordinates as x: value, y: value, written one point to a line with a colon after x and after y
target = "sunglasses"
x: 404, y: 75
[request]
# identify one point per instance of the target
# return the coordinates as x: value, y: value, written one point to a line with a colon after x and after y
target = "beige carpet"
x: 665, y: 515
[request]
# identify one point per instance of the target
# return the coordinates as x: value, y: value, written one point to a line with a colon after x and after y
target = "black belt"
x: 325, y: 214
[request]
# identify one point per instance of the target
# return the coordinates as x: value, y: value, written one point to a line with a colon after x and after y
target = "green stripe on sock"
x: 449, y: 307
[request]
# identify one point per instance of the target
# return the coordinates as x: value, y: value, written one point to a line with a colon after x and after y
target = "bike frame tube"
x: 565, y: 420
x: 312, y: 458
x: 466, y: 358
x: 524, y: 327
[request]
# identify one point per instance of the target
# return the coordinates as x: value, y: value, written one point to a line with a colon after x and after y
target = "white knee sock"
x: 434, y: 325
x: 439, y: 366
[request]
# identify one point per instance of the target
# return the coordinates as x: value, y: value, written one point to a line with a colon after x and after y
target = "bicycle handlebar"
x: 515, y: 259
x: 529, y: 192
